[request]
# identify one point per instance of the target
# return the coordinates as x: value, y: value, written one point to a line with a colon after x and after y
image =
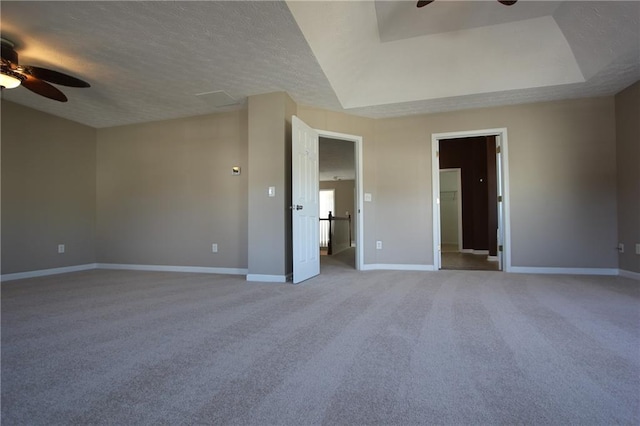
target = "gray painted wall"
x: 562, y: 182
x: 165, y: 192
x: 48, y: 190
x: 269, y: 235
x: 628, y: 161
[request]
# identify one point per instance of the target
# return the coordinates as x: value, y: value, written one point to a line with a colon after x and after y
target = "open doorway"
x: 338, y: 189
x: 305, y: 192
x: 470, y: 217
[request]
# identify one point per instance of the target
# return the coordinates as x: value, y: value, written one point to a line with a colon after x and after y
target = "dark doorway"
x: 476, y: 157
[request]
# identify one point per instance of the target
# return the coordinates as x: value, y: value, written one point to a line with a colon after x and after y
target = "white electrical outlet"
x: 637, y: 248
x: 214, y: 248
x: 378, y: 245
x: 60, y: 248
x: 620, y: 248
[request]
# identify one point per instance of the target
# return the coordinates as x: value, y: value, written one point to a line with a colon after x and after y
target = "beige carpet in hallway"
x: 453, y: 259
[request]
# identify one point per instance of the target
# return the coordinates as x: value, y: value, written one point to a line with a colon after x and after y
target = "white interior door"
x: 500, y: 194
x: 435, y: 178
x: 305, y: 201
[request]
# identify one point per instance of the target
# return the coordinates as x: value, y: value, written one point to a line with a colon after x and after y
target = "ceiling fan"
x: 423, y: 3
x: 33, y: 78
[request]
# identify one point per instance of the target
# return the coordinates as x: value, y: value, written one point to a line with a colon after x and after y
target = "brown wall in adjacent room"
x: 492, y: 196
x: 476, y: 157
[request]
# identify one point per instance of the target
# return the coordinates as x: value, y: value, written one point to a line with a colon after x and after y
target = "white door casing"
x: 502, y: 170
x: 305, y: 201
x: 358, y: 214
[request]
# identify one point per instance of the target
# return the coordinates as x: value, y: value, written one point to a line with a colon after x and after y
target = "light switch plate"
x: 367, y: 196
x: 272, y: 191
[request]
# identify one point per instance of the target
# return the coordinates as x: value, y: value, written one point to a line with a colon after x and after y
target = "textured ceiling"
x: 337, y: 160
x: 147, y: 61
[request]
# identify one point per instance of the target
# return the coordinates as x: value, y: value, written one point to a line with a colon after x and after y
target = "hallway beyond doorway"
x: 344, y: 260
x: 454, y: 259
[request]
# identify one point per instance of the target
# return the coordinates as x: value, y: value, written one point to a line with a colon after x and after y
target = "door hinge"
x: 498, y: 149
x: 500, y: 247
x: 499, y: 198
x: 437, y: 153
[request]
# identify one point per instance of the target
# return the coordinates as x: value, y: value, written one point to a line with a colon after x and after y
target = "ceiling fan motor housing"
x: 10, y: 64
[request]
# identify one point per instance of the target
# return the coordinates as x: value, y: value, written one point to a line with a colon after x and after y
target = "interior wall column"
x: 269, y: 165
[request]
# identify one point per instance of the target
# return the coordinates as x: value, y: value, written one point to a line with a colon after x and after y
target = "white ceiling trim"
x: 364, y: 71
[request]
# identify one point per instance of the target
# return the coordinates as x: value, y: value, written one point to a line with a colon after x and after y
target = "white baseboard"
x: 472, y: 251
x: 563, y: 271
x: 630, y: 274
x: 396, y: 267
x: 45, y: 272
x: 169, y: 268
x: 268, y: 278
x: 285, y: 278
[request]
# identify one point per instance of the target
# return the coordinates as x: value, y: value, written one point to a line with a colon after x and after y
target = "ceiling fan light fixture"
x: 10, y: 79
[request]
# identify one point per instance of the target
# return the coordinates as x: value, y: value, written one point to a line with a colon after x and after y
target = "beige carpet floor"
x: 353, y: 348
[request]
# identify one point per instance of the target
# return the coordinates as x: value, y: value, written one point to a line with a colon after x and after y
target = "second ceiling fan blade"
x: 423, y: 3
x: 56, y: 77
x: 43, y: 88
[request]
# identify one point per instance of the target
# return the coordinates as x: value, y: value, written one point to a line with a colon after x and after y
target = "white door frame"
x: 504, y: 228
x: 357, y: 140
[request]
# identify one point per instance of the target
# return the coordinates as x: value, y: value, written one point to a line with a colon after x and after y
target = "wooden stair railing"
x: 331, y: 219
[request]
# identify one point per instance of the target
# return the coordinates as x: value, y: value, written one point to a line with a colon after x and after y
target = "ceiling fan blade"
x: 43, y: 88
x: 8, y: 54
x: 423, y: 3
x: 508, y: 2
x: 55, y: 77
